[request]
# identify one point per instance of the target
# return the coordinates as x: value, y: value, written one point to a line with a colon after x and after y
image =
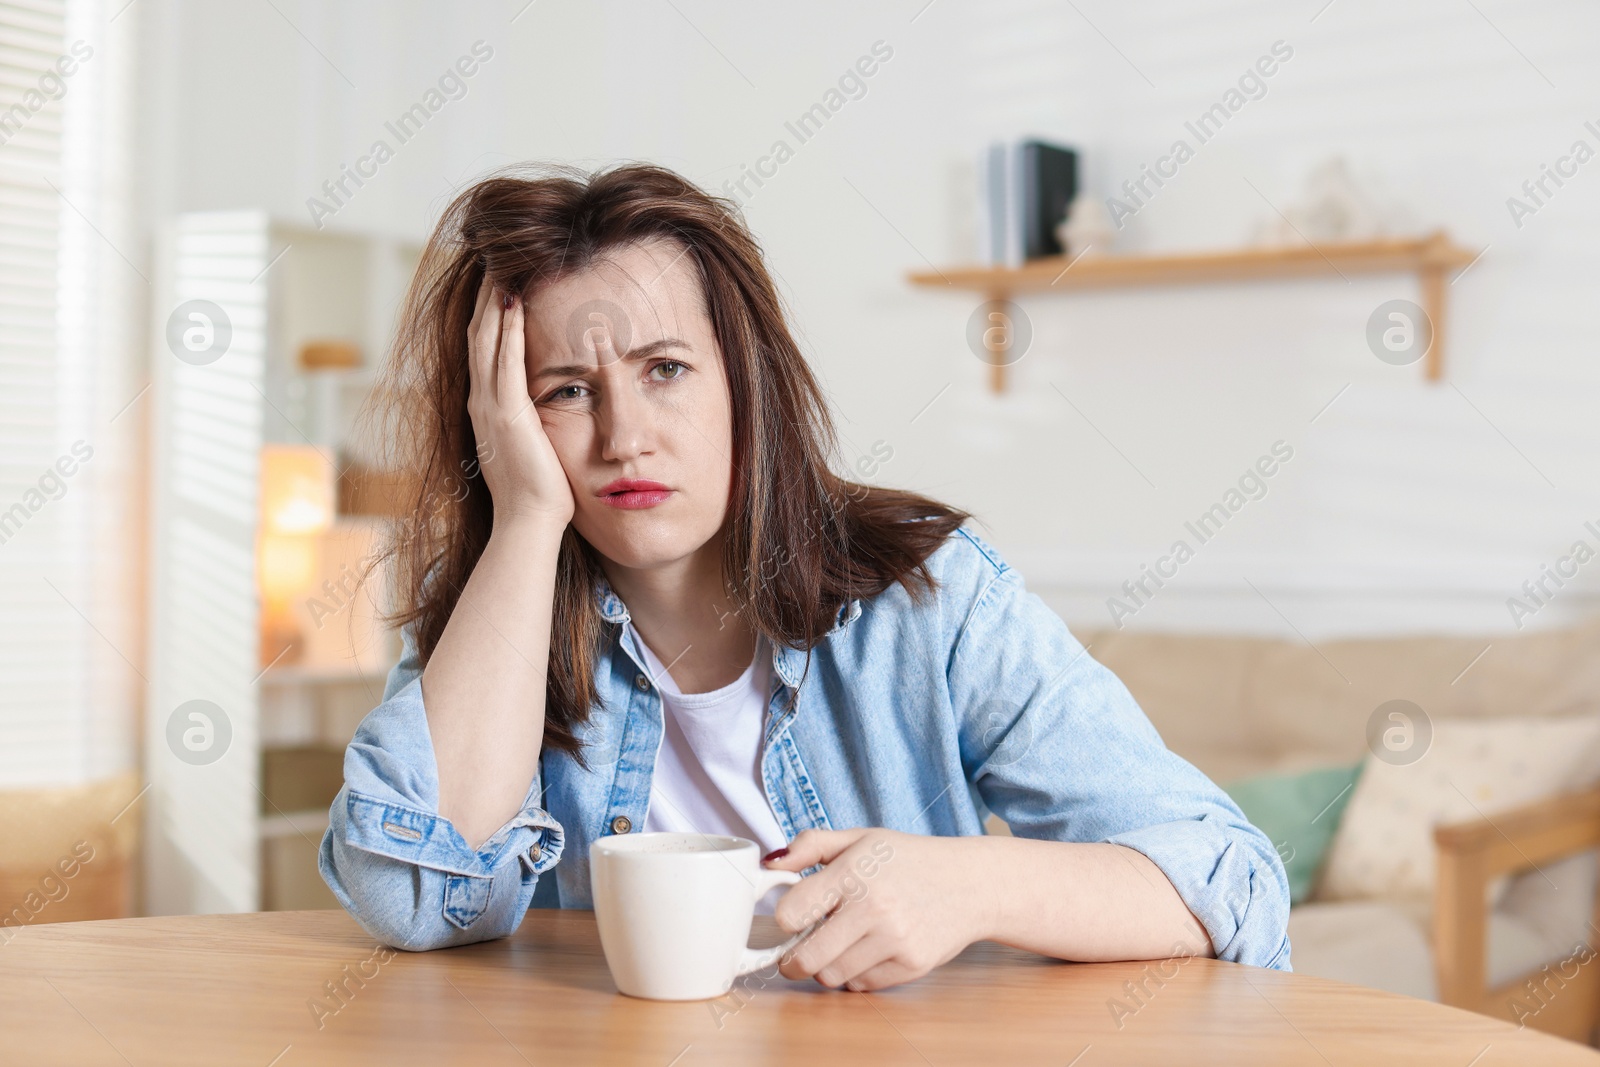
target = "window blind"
x: 69, y: 650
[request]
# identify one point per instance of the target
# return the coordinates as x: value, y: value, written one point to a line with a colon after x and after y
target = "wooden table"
x: 241, y: 989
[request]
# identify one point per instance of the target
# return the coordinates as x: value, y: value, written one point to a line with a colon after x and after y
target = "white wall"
x: 1407, y: 504
x: 1400, y: 486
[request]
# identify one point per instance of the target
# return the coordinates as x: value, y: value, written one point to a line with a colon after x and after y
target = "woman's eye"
x: 671, y: 371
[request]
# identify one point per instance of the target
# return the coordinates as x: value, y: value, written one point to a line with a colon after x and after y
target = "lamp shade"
x: 297, y: 490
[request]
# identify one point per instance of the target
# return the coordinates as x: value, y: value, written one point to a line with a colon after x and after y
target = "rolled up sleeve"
x: 403, y: 871
x: 1057, y: 747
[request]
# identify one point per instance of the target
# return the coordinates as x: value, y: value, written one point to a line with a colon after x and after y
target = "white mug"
x: 675, y: 911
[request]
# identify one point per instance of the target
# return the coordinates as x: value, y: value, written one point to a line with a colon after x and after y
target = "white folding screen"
x: 202, y: 723
x: 70, y: 282
x: 40, y: 648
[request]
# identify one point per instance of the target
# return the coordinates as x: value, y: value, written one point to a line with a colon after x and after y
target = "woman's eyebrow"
x: 633, y: 355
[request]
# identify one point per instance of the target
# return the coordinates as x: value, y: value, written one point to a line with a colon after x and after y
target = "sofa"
x: 1507, y: 925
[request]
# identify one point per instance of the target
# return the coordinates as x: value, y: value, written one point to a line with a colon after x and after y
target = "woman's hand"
x: 900, y: 904
x: 519, y: 465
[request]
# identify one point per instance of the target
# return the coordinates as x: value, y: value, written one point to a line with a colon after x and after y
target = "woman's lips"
x: 636, y: 498
x: 632, y: 493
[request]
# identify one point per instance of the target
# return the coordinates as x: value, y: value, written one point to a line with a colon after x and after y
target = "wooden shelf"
x: 1433, y: 258
x: 293, y: 823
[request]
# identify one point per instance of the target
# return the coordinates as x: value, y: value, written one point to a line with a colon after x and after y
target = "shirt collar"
x: 784, y: 660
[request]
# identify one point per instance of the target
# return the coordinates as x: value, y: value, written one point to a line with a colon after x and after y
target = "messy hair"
x: 799, y: 540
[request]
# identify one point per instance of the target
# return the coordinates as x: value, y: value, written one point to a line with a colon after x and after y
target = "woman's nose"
x: 627, y: 427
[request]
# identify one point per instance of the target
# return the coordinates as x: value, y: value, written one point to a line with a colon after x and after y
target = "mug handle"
x: 759, y: 959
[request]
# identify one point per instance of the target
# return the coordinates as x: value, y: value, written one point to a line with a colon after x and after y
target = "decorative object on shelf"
x: 377, y: 491
x: 1087, y: 229
x: 1334, y: 207
x: 297, y: 505
x: 1432, y: 258
x: 327, y: 366
x: 329, y: 355
x: 1024, y: 188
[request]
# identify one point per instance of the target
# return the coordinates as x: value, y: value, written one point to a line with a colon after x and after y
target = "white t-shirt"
x: 708, y: 768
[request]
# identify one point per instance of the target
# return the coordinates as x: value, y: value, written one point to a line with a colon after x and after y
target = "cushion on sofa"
x: 1473, y: 769
x: 1299, y: 813
x: 1386, y: 944
x: 1363, y: 942
x: 1555, y: 902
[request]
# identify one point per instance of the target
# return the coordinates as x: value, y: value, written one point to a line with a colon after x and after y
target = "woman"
x: 636, y: 597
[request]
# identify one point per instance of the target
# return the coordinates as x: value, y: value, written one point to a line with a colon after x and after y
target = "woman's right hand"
x: 519, y: 465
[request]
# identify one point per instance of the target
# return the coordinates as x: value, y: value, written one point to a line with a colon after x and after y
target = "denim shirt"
x: 921, y: 718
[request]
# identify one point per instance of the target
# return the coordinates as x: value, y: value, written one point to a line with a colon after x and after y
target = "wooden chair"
x: 1562, y: 998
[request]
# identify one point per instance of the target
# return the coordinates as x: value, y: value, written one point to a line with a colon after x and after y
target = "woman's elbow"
x: 416, y: 908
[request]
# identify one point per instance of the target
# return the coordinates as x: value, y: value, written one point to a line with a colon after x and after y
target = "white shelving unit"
x: 277, y: 286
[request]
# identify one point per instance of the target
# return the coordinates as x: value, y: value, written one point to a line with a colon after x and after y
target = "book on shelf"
x: 1024, y: 188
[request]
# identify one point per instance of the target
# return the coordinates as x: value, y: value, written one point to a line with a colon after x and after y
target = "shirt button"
x: 641, y: 682
x: 535, y: 852
x: 621, y: 824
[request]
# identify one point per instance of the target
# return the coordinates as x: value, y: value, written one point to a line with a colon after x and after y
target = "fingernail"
x: 508, y: 301
x: 775, y: 854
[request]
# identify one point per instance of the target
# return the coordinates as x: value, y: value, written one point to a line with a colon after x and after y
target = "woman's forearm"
x: 484, y: 686
x: 1084, y: 902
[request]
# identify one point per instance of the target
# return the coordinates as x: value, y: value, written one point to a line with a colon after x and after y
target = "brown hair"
x: 800, y: 540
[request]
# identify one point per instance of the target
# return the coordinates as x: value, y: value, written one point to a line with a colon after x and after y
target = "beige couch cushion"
x: 1385, y: 944
x: 1543, y: 917
x: 1365, y: 943
x: 1235, y: 705
x: 1194, y: 689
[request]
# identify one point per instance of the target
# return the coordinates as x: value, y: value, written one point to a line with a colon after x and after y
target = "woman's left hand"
x: 897, y: 905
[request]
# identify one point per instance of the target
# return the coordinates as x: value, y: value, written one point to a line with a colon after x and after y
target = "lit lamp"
x: 297, y: 505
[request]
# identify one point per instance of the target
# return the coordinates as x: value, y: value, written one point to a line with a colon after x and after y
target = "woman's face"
x: 627, y: 377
